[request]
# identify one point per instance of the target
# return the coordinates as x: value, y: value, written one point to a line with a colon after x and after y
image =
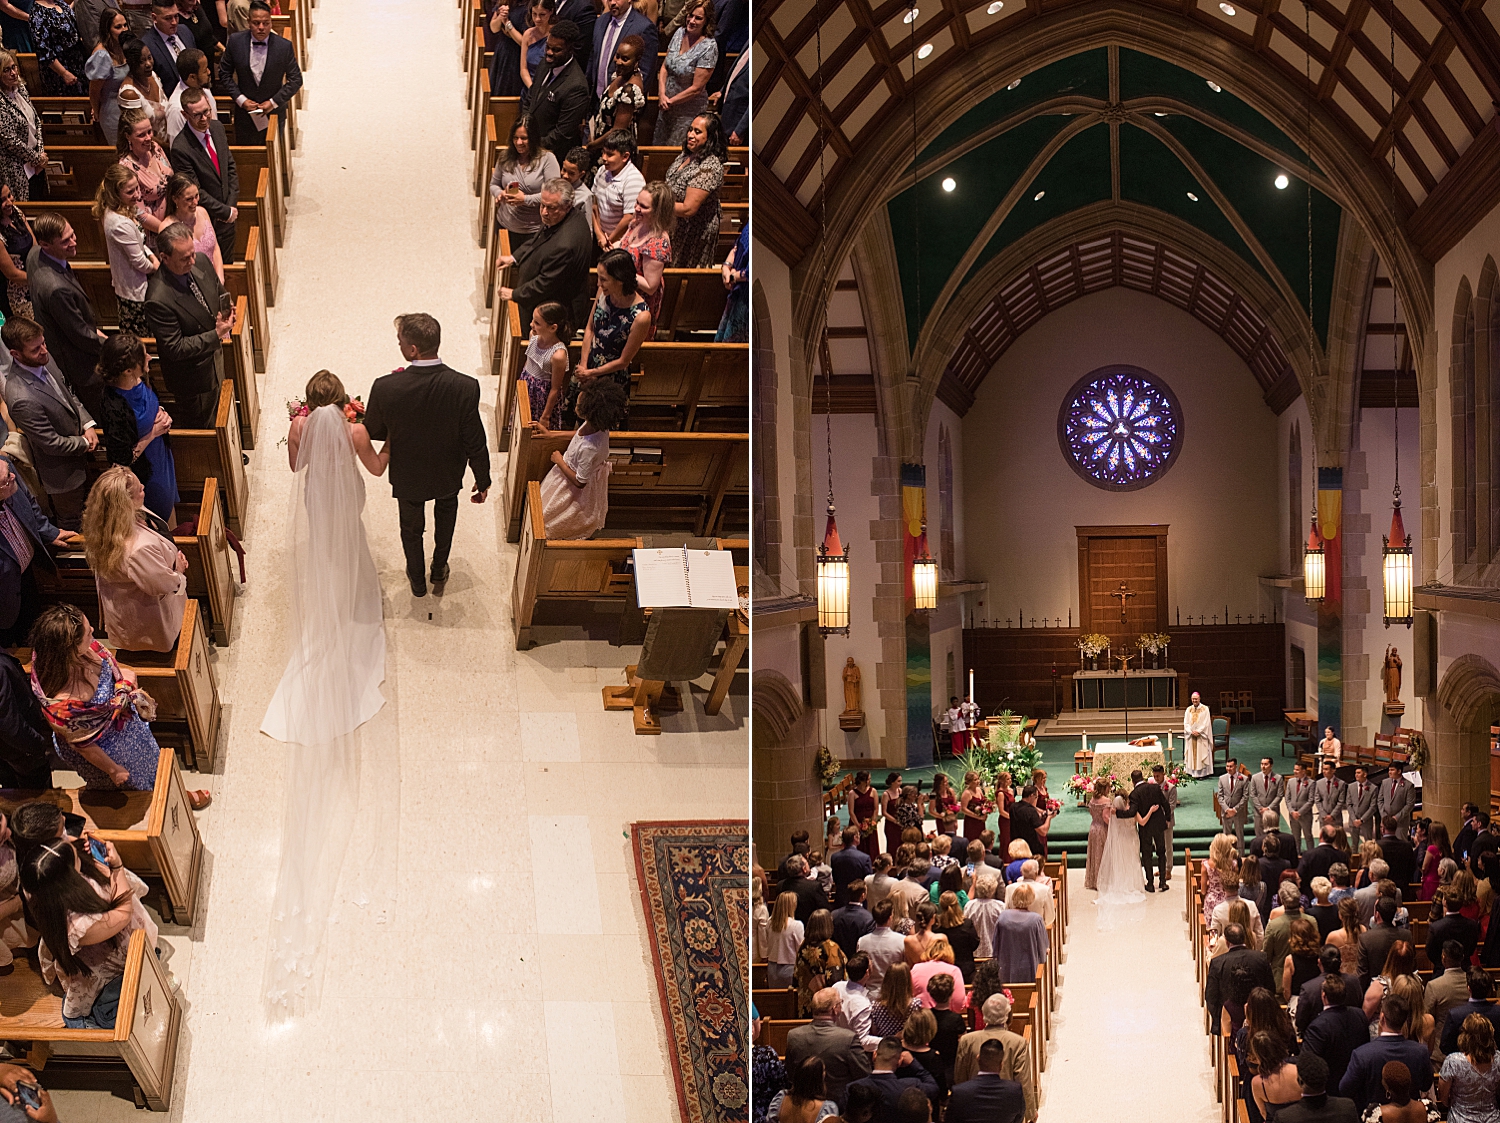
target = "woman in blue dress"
x: 135, y: 425
x: 106, y: 71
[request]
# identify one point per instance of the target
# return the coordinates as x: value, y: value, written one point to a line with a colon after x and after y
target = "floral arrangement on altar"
x: 1154, y: 642
x: 1006, y: 751
x: 828, y: 768
x: 1093, y: 644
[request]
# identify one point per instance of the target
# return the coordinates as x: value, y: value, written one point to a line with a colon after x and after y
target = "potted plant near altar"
x: 1089, y: 648
x: 1154, y: 643
x: 828, y: 768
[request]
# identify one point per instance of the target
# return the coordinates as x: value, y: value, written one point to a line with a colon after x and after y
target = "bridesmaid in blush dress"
x: 1100, y: 808
x: 864, y: 807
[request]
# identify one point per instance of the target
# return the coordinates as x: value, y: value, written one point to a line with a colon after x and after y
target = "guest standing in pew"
x: 559, y: 99
x: 106, y: 71
x: 147, y: 160
x: 617, y: 182
x: 182, y: 206
x: 504, y: 33
x: 533, y: 47
x: 516, y: 185
x: 193, y: 68
x: 15, y: 24
x: 60, y: 430
x: 201, y: 153
x: 734, y: 325
x: 582, y: 14
x: 117, y: 205
x: 15, y: 295
x: 988, y: 1097
x: 183, y: 308
x: 136, y: 428
x: 623, y: 23
x: 25, y: 736
x: 25, y: 536
x: 682, y: 84
x: 624, y: 96
x: 735, y: 107
x: 86, y: 911
x: 141, y: 575
x: 141, y: 88
x: 619, y: 324
x: 555, y: 264
x: 575, y: 169
x: 60, y: 54
x: 166, y: 39
x: 575, y: 493
x: 23, y: 155
x: 695, y: 178
x: 259, y: 71
x: 67, y: 319
x: 194, y: 19
x: 648, y: 239
x: 546, y: 370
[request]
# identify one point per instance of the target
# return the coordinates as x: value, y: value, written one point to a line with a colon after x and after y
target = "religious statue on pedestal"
x: 1390, y: 681
x: 853, y: 718
x: 1198, y: 738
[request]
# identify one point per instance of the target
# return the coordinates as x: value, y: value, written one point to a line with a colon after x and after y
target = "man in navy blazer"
x: 989, y: 1097
x: 23, y: 528
x: 259, y: 71
x: 167, y: 39
x: 894, y: 1073
x: 1361, y: 1081
x: 621, y: 21
x: 581, y: 13
x: 1481, y: 1002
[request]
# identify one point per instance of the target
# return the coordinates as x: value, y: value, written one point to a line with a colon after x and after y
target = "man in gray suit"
x: 1265, y: 795
x: 1364, y: 810
x: 184, y: 308
x: 62, y: 308
x: 1330, y: 797
x: 844, y: 1058
x: 58, y: 428
x: 1299, y: 807
x: 1397, y: 799
x: 1234, y: 794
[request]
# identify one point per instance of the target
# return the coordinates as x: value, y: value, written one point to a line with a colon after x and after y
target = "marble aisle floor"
x: 508, y: 977
x: 1130, y: 1044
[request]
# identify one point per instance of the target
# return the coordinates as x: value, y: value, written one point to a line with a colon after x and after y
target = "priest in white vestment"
x: 1198, y: 735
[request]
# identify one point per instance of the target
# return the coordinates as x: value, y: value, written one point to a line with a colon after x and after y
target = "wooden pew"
x: 186, y: 690
x: 64, y: 117
x: 696, y: 487
x: 203, y: 454
x: 774, y: 1030
x: 137, y: 1057
x: 692, y: 387
x: 155, y: 832
x: 210, y: 571
x: 780, y: 1002
x: 556, y: 571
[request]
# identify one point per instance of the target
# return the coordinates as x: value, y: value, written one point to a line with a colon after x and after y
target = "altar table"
x: 1119, y: 690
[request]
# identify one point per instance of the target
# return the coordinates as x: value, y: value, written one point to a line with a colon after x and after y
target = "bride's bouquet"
x: 354, y: 409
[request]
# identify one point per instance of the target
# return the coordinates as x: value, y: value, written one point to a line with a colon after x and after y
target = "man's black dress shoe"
x: 418, y: 586
x: 439, y: 576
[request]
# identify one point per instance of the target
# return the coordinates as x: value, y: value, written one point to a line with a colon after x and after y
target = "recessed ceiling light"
x: 911, y: 16
x: 1014, y: 84
x: 1282, y: 182
x: 1193, y: 197
x: 1227, y: 9
x: 924, y: 50
x: 995, y: 7
x: 1037, y: 198
x: 949, y: 184
x: 1216, y: 88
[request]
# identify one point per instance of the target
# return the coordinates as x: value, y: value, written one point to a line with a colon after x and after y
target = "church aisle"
x: 495, y: 967
x: 1130, y: 1045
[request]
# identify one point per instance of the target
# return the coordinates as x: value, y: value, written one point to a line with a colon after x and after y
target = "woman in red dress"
x: 888, y: 802
x: 944, y: 800
x: 972, y: 803
x: 864, y: 810
x: 1004, y: 796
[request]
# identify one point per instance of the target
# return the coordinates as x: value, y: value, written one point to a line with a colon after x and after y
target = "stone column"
x: 1459, y: 769
x: 786, y: 794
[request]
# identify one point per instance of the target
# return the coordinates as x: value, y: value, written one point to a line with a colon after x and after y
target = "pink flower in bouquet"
x: 1053, y: 807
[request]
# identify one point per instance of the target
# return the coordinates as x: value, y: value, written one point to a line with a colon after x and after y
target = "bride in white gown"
x: 330, y: 688
x: 1120, y: 868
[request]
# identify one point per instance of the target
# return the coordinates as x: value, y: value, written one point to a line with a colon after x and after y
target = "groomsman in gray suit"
x: 1234, y: 794
x: 1364, y: 811
x: 1330, y: 797
x: 1299, y: 807
x: 1398, y: 799
x: 1265, y: 795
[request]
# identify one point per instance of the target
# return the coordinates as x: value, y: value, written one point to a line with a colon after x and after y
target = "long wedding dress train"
x: 1119, y: 871
x: 331, y: 687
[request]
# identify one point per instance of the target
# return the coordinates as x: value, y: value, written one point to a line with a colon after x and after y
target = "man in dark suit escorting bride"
x: 429, y: 414
x: 1149, y: 804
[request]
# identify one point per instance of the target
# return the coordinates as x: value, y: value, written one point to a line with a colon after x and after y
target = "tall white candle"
x: 971, y: 684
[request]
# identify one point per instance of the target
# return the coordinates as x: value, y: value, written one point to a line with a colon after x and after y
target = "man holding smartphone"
x: 185, y: 305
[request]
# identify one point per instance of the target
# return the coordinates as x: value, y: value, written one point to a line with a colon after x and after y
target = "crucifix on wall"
x: 1122, y: 593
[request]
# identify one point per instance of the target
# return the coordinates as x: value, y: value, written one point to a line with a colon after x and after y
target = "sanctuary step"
x: 1111, y: 723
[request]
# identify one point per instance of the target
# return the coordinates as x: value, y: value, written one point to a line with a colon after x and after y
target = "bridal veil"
x: 331, y: 686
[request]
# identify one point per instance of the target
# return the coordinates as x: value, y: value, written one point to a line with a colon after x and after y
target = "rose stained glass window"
x: 1120, y: 428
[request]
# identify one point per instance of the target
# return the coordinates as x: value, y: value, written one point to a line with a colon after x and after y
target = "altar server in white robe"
x: 1198, y: 735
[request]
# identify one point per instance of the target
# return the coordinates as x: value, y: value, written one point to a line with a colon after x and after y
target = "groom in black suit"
x: 1153, y: 832
x: 430, y: 415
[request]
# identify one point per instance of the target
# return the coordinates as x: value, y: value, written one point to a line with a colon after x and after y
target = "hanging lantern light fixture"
x: 833, y: 577
x: 1314, y: 573
x: 1395, y: 561
x: 924, y: 577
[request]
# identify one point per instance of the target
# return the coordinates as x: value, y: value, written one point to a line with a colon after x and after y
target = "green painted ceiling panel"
x: 1076, y: 177
x: 1278, y: 218
x: 948, y: 222
x: 1085, y: 75
x: 1144, y: 75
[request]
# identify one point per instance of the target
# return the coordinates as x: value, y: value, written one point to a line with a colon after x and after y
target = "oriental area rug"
x: 695, y: 890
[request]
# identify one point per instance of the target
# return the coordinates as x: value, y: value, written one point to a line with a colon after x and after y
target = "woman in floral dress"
x: 908, y: 815
x: 820, y: 961
x: 648, y: 239
x: 140, y: 152
x: 682, y: 85
x: 1220, y: 863
x: 620, y: 323
x: 695, y: 178
x: 59, y: 52
x: 624, y: 97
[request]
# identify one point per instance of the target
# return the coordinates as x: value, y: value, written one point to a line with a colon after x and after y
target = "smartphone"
x: 226, y: 304
x: 28, y: 1095
x: 96, y: 848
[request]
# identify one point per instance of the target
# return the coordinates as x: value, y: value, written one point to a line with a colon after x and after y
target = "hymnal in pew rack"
x: 685, y: 578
